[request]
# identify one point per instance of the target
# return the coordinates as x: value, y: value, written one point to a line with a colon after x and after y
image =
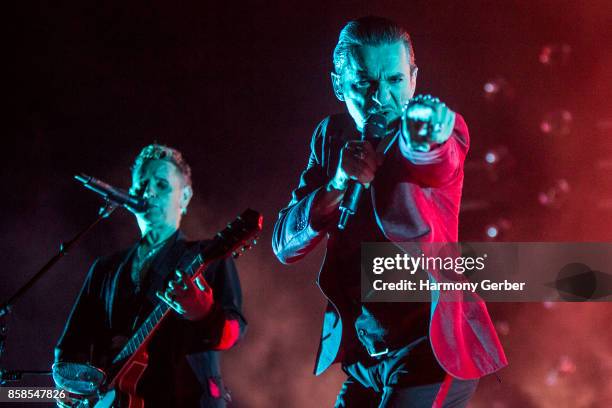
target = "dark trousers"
x: 403, y: 378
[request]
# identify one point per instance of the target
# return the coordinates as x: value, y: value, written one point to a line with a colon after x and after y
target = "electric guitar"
x: 89, y: 385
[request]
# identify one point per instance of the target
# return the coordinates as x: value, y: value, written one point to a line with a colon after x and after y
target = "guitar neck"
x: 154, y: 319
x: 143, y: 332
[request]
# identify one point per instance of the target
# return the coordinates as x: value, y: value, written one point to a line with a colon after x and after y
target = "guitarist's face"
x: 162, y: 185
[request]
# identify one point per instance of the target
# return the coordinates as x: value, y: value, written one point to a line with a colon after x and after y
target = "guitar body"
x: 127, y: 379
x: 122, y: 388
x: 107, y: 400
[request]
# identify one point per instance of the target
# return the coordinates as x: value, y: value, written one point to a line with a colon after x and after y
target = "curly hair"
x: 371, y: 31
x: 161, y: 152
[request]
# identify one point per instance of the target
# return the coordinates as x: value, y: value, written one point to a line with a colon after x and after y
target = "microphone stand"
x: 15, y: 375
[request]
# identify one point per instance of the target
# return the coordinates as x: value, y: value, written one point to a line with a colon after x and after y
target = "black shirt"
x: 182, y: 362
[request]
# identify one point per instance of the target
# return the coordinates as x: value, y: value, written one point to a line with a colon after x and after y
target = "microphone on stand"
x: 116, y: 195
x: 375, y: 127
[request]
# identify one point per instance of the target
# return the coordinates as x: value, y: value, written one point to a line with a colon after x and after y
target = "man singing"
x: 394, y: 354
x: 121, y: 290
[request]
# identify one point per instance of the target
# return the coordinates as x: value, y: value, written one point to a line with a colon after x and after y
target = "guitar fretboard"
x: 153, y: 319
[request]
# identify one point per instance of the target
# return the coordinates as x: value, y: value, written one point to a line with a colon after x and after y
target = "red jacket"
x: 415, y: 198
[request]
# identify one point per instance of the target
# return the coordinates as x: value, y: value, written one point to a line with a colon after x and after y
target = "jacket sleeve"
x: 440, y: 165
x: 293, y: 235
x: 81, y: 331
x: 225, y: 324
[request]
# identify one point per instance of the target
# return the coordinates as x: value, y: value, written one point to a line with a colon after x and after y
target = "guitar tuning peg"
x: 255, y: 242
x: 235, y: 254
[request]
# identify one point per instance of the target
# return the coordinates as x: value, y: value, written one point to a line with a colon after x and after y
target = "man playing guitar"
x: 121, y: 290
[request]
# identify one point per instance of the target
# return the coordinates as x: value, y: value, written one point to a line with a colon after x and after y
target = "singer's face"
x: 163, y: 187
x: 376, y: 80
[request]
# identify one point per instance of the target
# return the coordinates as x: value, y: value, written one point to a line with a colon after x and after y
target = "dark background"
x: 238, y: 88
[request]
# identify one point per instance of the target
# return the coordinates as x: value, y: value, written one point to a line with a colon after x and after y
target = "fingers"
x: 358, y: 170
x: 169, y: 298
x: 448, y: 123
x: 443, y: 125
x: 191, y: 299
x: 361, y: 151
x: 202, y: 285
x: 426, y: 121
x: 182, y: 281
x: 182, y: 286
x: 442, y: 122
x: 177, y: 289
x: 360, y: 161
x: 418, y: 135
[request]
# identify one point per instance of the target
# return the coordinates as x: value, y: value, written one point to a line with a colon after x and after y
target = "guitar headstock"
x: 246, y: 247
x: 239, y: 236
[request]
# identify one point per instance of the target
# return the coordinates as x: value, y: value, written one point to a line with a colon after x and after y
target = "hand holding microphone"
x: 426, y: 121
x: 357, y: 166
x: 358, y: 162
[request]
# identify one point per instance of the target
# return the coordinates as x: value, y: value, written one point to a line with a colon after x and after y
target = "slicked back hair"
x: 372, y: 31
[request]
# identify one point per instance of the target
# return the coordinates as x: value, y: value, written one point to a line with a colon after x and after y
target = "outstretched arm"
x: 433, y: 142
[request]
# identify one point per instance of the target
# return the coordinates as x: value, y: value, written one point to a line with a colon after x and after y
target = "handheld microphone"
x: 375, y: 127
x: 116, y: 195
